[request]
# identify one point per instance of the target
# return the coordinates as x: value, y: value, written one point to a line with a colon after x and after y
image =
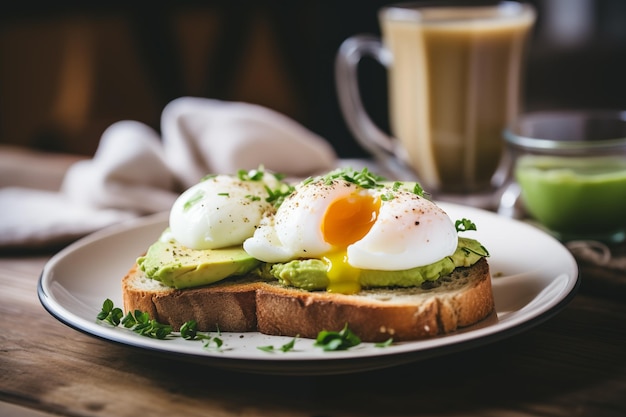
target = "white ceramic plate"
x: 534, y: 276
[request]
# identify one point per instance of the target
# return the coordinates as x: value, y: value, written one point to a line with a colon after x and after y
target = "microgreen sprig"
x: 363, y: 178
x: 189, y: 331
x: 274, y: 196
x: 464, y: 225
x: 252, y: 175
x: 341, y: 340
x: 257, y: 174
x: 384, y: 344
x: 277, y: 196
x: 109, y: 313
x: 197, y: 196
x: 287, y: 347
x: 141, y: 323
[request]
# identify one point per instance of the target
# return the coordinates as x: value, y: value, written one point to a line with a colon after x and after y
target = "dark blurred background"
x: 70, y: 69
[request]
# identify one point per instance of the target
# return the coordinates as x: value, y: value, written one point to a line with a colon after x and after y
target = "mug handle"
x: 350, y: 53
x: 382, y: 146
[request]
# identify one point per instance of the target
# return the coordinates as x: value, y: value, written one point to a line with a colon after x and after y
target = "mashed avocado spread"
x: 180, y: 267
x: 310, y: 274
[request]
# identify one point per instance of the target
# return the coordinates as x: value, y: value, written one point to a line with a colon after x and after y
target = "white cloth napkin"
x: 135, y: 171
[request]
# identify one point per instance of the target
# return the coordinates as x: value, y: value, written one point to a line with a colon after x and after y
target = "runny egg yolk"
x: 346, y: 220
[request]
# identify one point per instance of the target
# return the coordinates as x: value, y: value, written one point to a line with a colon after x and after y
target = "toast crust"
x: 247, y: 304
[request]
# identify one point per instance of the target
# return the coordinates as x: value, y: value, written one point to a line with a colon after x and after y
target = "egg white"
x: 220, y: 211
x: 409, y: 230
x: 294, y: 231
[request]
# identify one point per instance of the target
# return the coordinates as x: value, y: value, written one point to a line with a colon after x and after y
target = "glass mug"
x: 454, y: 80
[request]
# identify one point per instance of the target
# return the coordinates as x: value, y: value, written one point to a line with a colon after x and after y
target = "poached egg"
x: 224, y: 210
x: 353, y: 226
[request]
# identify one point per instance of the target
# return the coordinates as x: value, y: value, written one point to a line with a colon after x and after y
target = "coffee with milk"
x: 455, y: 76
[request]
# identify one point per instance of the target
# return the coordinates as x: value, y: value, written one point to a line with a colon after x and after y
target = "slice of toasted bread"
x: 228, y: 305
x: 247, y: 304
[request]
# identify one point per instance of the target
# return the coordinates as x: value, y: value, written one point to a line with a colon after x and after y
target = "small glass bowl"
x: 570, y: 170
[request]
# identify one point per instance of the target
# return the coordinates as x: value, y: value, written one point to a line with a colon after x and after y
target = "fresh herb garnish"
x: 193, y: 200
x: 278, y: 195
x: 141, y: 323
x: 417, y: 189
x: 189, y: 331
x: 110, y: 313
x: 384, y: 344
x: 464, y: 225
x: 268, y: 348
x: 275, y: 196
x: 252, y: 175
x: 363, y: 178
x: 284, y: 348
x: 387, y: 196
x: 218, y: 342
x: 341, y: 340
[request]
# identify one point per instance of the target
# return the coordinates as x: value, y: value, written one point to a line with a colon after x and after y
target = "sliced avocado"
x: 180, y: 267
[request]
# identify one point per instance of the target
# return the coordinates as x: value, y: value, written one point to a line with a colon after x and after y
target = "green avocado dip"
x: 575, y: 196
x: 179, y: 267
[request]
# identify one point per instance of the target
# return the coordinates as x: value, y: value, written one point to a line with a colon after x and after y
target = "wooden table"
x: 571, y: 365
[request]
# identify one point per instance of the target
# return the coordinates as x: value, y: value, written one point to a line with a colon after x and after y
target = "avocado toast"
x: 266, y: 284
